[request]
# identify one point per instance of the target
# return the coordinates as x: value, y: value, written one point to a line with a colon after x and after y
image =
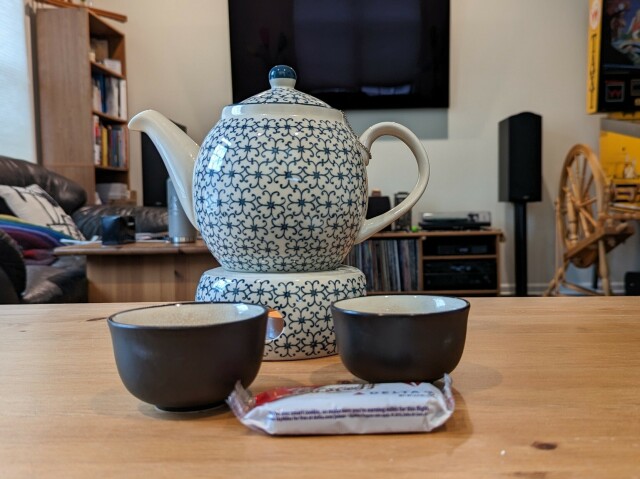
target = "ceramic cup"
x: 398, y: 338
x: 188, y: 356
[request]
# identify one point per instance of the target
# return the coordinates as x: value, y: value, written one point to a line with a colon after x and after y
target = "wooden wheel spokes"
x: 583, y: 191
x: 588, y: 185
x: 581, y: 199
x: 569, y: 214
x: 585, y: 228
x: 587, y: 213
x: 575, y: 174
x: 586, y: 209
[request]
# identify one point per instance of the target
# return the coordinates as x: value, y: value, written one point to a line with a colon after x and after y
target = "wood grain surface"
x: 136, y: 248
x: 547, y: 387
x: 143, y: 271
x: 65, y: 95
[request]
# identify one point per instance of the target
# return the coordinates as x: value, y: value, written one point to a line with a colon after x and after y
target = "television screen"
x: 352, y: 54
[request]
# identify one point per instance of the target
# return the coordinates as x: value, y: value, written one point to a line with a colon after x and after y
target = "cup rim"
x: 351, y: 311
x: 113, y: 322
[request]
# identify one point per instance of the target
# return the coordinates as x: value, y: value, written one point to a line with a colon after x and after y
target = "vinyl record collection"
x: 388, y: 264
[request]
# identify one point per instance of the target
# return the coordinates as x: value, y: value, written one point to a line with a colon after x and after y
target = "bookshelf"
x: 82, y: 97
x: 460, y: 263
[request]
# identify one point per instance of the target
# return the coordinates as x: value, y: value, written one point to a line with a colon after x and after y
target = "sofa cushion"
x: 8, y: 295
x: 35, y: 205
x: 149, y: 219
x: 68, y: 194
x: 55, y: 284
x: 12, y: 263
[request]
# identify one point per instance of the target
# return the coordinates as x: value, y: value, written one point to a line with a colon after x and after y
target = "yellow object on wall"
x: 593, y: 58
x: 620, y: 158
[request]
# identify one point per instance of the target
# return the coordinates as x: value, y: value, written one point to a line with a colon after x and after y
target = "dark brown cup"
x: 188, y: 356
x: 400, y: 338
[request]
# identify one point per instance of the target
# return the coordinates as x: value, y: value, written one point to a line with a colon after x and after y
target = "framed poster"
x: 613, y: 68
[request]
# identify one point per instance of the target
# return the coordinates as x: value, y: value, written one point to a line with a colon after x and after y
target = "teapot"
x: 279, y: 184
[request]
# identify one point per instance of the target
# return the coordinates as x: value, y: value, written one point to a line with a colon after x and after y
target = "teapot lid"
x: 283, y: 80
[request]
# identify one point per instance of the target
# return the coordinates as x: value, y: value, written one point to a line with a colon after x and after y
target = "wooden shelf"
x: 427, y: 233
x: 458, y: 263
x: 109, y: 118
x: 68, y: 121
x: 112, y: 168
x: 96, y: 11
x: 464, y: 292
x: 99, y: 68
x: 466, y: 256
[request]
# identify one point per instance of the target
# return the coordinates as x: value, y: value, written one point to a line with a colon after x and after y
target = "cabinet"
x: 444, y: 262
x: 82, y: 137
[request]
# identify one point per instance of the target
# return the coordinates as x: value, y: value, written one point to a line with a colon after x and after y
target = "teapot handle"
x: 375, y: 224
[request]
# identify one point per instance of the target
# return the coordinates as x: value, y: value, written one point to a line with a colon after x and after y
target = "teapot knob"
x: 282, y: 76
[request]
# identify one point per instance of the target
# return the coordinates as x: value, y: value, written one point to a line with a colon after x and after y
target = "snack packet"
x: 345, y: 408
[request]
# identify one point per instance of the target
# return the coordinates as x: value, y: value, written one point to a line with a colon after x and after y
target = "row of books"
x: 388, y: 264
x: 110, y: 95
x: 109, y: 144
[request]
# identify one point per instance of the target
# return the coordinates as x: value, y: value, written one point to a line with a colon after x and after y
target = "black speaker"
x: 154, y: 173
x: 378, y: 205
x: 632, y: 283
x: 520, y: 155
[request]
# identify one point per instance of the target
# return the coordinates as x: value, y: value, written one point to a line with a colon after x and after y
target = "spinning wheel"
x: 585, y: 228
x: 581, y: 201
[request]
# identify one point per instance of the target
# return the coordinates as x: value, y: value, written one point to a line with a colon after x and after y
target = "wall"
x: 507, y: 56
x: 17, y: 125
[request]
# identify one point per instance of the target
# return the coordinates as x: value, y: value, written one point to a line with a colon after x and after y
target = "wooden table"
x: 547, y: 387
x: 143, y: 271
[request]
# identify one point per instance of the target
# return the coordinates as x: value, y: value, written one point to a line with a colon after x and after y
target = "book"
x: 97, y: 140
x: 112, y: 94
x: 113, y: 65
x: 104, y: 146
x: 122, y: 105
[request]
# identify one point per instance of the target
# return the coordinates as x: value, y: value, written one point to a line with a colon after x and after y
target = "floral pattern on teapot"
x: 284, y: 95
x: 279, y: 184
x: 279, y: 194
x: 303, y: 300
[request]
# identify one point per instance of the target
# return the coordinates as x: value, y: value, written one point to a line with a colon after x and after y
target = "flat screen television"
x: 353, y: 54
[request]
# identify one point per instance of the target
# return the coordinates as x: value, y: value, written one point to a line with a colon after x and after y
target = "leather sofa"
x: 64, y: 280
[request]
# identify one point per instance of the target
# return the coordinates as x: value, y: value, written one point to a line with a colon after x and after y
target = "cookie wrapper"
x: 345, y: 408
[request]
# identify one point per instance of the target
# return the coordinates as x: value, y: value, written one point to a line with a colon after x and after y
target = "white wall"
x: 17, y: 124
x: 507, y: 56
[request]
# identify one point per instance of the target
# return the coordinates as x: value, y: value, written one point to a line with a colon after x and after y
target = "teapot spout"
x: 178, y: 151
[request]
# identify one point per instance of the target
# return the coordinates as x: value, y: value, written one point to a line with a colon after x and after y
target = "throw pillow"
x: 34, y: 205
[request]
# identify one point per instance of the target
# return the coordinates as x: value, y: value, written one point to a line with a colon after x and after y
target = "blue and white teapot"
x: 279, y: 184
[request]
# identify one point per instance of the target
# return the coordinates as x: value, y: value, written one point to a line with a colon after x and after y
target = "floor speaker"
x: 632, y: 283
x: 154, y: 173
x: 520, y: 158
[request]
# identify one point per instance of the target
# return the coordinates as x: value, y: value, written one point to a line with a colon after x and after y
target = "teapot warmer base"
x: 303, y: 300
